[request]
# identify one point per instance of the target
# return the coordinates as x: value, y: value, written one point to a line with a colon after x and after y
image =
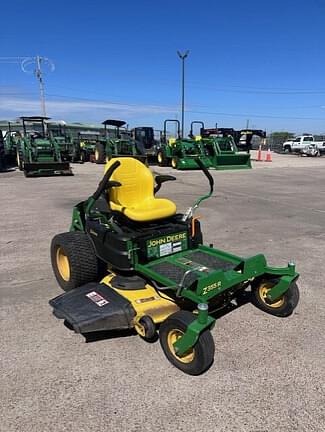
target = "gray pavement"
x: 268, y: 373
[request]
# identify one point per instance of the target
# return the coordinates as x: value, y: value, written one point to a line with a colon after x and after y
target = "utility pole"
x: 34, y: 65
x: 38, y: 74
x: 183, y: 57
x: 247, y: 123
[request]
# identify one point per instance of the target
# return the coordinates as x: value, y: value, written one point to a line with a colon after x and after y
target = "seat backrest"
x: 136, y: 180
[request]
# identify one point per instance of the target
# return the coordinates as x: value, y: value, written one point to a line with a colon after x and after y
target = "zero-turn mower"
x: 159, y: 277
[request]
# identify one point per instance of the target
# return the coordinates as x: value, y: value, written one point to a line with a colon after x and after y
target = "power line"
x: 36, y: 63
x: 191, y: 111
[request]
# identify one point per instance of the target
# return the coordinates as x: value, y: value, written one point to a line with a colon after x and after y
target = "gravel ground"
x: 268, y: 373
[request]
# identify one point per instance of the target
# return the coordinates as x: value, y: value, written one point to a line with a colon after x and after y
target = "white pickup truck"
x: 299, y: 143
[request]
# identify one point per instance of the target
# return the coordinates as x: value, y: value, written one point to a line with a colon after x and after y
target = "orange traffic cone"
x: 259, y: 154
x: 268, y: 156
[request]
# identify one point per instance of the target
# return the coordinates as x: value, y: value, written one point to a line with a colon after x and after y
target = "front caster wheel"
x: 146, y: 328
x: 197, y: 359
x: 282, y: 307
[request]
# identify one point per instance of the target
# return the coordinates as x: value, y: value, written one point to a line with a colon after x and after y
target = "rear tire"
x: 74, y: 261
x: 199, y: 358
x: 283, y: 307
x: 288, y: 149
x: 20, y: 162
x: 161, y: 159
x: 174, y: 162
x: 100, y: 154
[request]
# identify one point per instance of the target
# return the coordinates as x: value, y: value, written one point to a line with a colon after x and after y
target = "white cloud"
x: 11, y: 106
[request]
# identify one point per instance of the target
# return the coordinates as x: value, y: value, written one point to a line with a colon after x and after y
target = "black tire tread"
x: 205, y: 347
x: 84, y: 266
x: 164, y: 161
x: 291, y: 297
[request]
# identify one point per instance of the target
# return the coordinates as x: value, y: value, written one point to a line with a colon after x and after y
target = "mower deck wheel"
x: 74, y: 261
x: 282, y: 307
x: 197, y: 359
x: 146, y: 328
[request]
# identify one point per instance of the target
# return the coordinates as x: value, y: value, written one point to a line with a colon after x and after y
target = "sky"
x: 260, y: 62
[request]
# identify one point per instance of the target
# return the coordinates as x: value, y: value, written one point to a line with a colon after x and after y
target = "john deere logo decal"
x: 166, y: 245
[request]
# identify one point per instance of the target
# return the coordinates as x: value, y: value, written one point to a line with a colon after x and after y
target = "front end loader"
x: 220, y: 147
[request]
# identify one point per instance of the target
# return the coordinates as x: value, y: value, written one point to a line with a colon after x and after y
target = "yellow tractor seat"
x: 135, y: 197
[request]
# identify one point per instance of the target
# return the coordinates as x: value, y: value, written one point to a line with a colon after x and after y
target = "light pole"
x: 183, y: 57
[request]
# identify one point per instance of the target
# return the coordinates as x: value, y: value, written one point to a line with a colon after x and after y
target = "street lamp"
x: 183, y: 57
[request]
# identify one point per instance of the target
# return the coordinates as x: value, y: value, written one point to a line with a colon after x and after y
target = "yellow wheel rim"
x: 159, y: 157
x: 63, y: 265
x: 174, y: 163
x: 96, y: 155
x: 263, y: 292
x: 172, y: 337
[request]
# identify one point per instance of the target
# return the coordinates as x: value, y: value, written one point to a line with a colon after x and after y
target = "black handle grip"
x: 206, y: 172
x: 103, y: 183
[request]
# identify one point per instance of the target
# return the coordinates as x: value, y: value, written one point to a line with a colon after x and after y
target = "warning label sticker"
x: 97, y: 298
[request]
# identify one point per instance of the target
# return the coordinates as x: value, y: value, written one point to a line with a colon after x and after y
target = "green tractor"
x: 145, y: 139
x: 37, y: 154
x: 69, y: 149
x: 219, y: 146
x: 87, y: 144
x: 118, y: 142
x: 180, y: 153
x: 11, y: 138
x: 131, y: 262
x: 8, y: 148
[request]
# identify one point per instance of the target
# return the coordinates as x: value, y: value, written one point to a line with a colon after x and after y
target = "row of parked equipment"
x: 40, y: 147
